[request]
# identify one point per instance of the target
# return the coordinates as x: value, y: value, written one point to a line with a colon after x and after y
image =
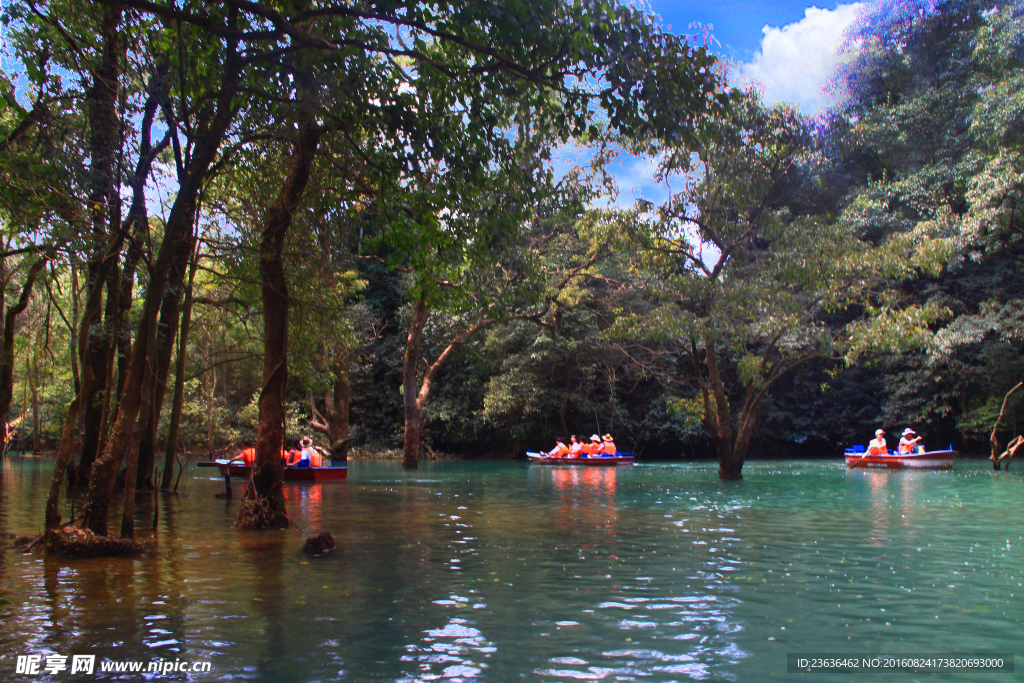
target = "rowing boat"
x: 927, y: 460
x: 544, y: 459
x: 291, y: 472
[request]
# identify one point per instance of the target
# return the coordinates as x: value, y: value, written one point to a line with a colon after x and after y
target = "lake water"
x: 500, y: 571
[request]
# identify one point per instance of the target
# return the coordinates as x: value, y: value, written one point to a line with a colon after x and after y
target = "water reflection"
x: 584, y: 499
x: 500, y: 571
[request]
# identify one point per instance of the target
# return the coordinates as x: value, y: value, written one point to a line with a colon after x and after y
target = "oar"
x: 857, y: 461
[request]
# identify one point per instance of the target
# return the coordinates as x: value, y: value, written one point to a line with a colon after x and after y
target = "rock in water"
x: 321, y: 544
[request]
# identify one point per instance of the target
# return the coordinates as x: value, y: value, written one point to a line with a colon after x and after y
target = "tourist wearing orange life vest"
x: 577, y: 448
x: 560, y: 450
x: 907, y: 444
x: 248, y: 455
x: 877, y: 445
x: 292, y: 455
x: 310, y: 456
x: 608, y: 449
x: 593, y: 449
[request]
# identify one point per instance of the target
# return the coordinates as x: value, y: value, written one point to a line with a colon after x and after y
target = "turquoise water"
x: 500, y: 571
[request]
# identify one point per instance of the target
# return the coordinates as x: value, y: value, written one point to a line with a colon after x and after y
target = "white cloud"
x: 795, y: 61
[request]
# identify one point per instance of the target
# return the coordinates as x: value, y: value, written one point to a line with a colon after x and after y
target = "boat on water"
x: 857, y: 456
x: 291, y: 472
x: 545, y: 459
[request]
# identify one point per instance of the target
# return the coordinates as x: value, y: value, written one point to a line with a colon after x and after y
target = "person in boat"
x: 910, y: 442
x: 560, y: 450
x: 593, y: 449
x: 577, y: 449
x: 292, y: 455
x: 309, y: 456
x: 877, y: 445
x: 608, y: 449
x: 248, y: 455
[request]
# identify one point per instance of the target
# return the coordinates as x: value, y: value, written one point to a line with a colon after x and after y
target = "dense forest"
x: 267, y: 220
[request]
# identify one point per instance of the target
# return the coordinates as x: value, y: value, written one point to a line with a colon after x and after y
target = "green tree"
x: 932, y: 135
x: 746, y: 276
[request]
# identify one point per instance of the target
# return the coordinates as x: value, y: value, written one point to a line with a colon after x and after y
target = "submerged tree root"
x: 258, y: 513
x: 72, y: 542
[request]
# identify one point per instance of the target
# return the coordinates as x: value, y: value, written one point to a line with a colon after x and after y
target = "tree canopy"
x: 263, y: 219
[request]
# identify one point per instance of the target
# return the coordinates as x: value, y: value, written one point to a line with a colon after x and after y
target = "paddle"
x: 857, y: 461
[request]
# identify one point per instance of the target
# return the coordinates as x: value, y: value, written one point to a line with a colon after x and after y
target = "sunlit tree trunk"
x: 410, y: 362
x: 414, y: 399
x: 263, y: 500
x: 7, y: 348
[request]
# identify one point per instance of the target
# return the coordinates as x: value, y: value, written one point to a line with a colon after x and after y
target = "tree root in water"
x: 73, y: 542
x: 258, y: 513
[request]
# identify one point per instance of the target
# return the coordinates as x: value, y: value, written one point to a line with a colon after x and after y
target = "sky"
x: 789, y: 47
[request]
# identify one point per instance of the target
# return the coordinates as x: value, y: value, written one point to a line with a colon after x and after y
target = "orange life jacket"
x: 561, y: 451
x: 608, y: 448
x: 312, y: 455
x: 248, y: 456
x: 593, y: 448
x: 907, y: 446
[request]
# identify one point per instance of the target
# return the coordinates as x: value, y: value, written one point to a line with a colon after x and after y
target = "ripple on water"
x: 499, y: 571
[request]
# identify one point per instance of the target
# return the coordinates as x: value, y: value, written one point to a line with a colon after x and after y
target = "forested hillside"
x: 230, y: 221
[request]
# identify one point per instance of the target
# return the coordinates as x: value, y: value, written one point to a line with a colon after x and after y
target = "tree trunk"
x: 718, y: 416
x: 104, y: 145
x: 69, y: 430
x: 133, y: 400
x: 334, y: 423
x: 7, y: 351
x: 146, y: 406
x: 414, y: 401
x: 339, y: 435
x: 138, y: 219
x: 177, y: 239
x: 171, y: 447
x: 263, y: 500
x: 994, y: 436
x: 33, y: 377
x: 410, y: 363
x: 166, y: 333
x: 94, y: 372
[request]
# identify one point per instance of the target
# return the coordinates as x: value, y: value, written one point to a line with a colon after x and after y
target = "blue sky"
x: 789, y: 47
